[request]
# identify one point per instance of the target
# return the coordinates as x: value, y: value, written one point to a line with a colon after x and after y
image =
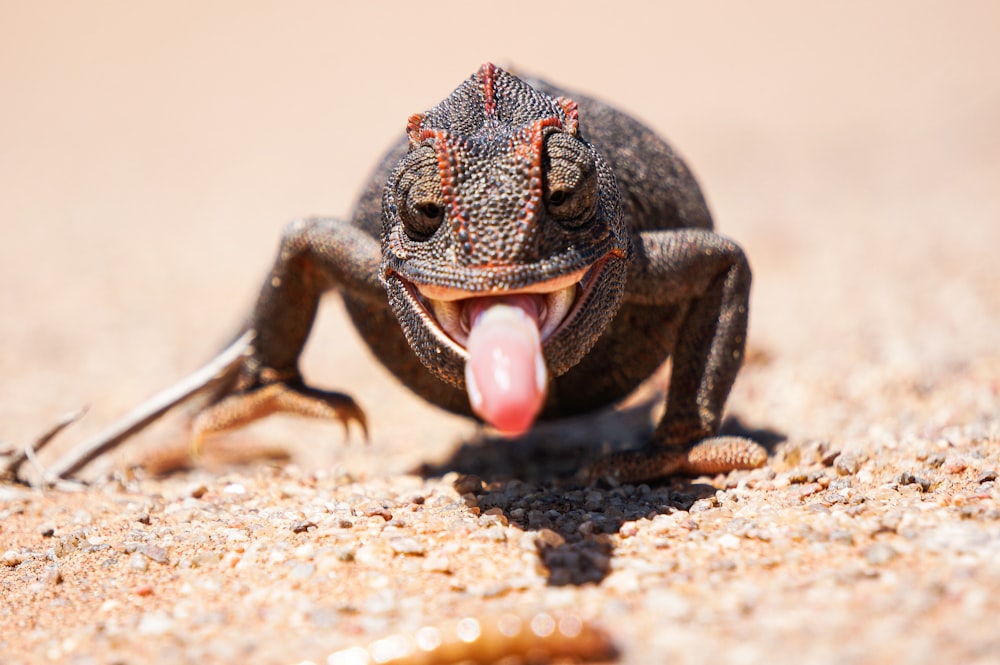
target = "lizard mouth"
x: 552, y: 303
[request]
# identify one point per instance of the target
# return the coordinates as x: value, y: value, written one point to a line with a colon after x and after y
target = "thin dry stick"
x: 151, y: 409
x: 19, y: 456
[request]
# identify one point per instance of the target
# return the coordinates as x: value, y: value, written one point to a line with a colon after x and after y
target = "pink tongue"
x: 505, y: 375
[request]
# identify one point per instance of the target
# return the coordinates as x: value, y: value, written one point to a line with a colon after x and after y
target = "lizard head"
x: 504, y: 247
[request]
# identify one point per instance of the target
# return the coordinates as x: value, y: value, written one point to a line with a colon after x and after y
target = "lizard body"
x: 517, y: 255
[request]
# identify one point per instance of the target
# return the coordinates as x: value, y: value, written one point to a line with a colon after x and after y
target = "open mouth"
x: 551, y: 303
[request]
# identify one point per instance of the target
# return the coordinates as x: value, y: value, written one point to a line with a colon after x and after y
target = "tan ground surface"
x: 149, y: 157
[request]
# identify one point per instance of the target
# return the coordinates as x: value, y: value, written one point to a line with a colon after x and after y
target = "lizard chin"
x: 552, y: 303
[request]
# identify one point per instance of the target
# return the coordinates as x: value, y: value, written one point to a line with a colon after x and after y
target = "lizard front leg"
x: 316, y: 255
x: 257, y: 374
x: 709, y: 277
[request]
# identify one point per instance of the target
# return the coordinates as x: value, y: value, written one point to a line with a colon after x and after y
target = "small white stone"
x: 155, y: 623
x: 728, y: 541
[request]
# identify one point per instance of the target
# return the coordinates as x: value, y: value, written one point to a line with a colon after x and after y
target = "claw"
x: 242, y: 408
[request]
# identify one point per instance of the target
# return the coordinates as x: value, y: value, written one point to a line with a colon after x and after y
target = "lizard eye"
x: 558, y: 198
x: 419, y: 191
x: 571, y: 187
x: 421, y: 218
x: 430, y: 210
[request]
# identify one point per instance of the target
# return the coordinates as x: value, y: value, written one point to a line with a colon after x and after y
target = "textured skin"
x: 501, y: 187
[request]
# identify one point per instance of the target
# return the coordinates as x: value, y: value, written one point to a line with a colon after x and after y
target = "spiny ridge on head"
x: 492, y: 99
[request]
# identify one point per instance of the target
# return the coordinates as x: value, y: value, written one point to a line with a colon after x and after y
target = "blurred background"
x: 151, y: 152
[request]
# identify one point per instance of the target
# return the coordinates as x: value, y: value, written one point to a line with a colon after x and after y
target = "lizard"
x: 520, y: 254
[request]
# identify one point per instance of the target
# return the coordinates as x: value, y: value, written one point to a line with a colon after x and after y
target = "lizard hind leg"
x: 241, y: 408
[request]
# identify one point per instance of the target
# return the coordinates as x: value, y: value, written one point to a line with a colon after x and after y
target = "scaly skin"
x: 509, y: 187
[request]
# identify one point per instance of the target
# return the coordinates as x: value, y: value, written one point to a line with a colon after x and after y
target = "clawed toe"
x: 242, y: 408
x: 722, y: 454
x: 708, y: 457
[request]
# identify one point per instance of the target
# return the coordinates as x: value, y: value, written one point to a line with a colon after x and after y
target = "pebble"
x: 12, y: 558
x: 138, y: 562
x: 374, y: 509
x: 908, y: 478
x: 369, y: 555
x: 153, y: 552
x: 407, y: 545
x: 53, y: 575
x: 468, y: 484
x: 155, y: 623
x: 496, y: 534
x: 594, y: 501
x: 436, y: 563
x: 549, y: 538
x: 109, y: 606
x: 236, y: 535
x: 728, y: 541
x: 842, y: 536
x: 847, y: 464
x: 890, y: 521
x: 801, y: 492
x: 703, y: 506
x: 669, y: 606
x: 954, y: 465
x: 302, y: 571
x: 493, y: 517
x: 828, y: 455
x: 206, y: 559
x: 70, y: 542
x: 622, y: 581
x: 934, y: 461
x: 880, y: 554
x: 303, y: 526
x: 628, y: 529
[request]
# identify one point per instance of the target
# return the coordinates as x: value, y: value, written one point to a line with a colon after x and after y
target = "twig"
x: 147, y: 412
x: 18, y: 456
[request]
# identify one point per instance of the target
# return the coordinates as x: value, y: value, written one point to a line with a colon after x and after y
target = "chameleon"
x: 520, y: 254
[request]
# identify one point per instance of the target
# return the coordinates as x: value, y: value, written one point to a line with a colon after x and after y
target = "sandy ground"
x: 150, y: 156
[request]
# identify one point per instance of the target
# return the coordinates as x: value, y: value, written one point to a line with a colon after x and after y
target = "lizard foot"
x: 242, y: 408
x: 710, y: 456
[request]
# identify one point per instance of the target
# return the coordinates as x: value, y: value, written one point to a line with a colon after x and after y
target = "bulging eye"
x: 421, y: 217
x: 571, y: 186
x: 430, y: 210
x: 418, y: 190
x: 558, y: 197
